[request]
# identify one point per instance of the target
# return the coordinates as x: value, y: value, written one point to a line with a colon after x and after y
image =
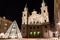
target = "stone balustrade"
x: 34, y: 39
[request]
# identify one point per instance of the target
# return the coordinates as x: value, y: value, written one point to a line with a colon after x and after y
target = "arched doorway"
x: 34, y: 34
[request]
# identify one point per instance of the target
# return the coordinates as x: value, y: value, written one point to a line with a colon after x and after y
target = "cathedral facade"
x: 36, y: 25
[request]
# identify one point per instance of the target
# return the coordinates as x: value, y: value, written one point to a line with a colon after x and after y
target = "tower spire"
x: 43, y: 3
x: 25, y: 5
x: 25, y: 9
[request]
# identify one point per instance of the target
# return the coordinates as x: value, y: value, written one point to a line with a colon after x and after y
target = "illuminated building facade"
x: 57, y: 15
x: 4, y: 24
x: 37, y: 25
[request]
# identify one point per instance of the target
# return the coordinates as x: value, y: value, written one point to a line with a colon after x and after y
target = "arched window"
x: 24, y: 22
x: 44, y: 11
x: 30, y: 22
x: 45, y: 26
x: 31, y: 34
x: 53, y: 34
x: 45, y: 20
x: 45, y: 30
x: 34, y: 22
x: 37, y: 22
x: 30, y: 27
x: 34, y: 33
x: 37, y: 27
x: 24, y: 15
x: 38, y: 33
x: 24, y: 28
x: 34, y: 27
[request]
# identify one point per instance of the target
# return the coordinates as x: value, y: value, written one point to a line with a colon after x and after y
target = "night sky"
x: 12, y: 9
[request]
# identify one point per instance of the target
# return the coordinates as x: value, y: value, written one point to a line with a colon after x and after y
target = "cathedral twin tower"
x: 35, y: 25
x: 35, y: 18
